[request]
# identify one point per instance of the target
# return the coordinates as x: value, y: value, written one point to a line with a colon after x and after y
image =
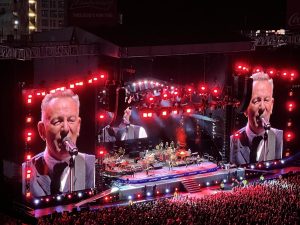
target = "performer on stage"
x: 59, y: 128
x: 258, y: 141
x: 125, y: 130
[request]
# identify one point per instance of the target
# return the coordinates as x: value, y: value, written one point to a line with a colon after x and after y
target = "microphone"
x: 266, y: 124
x: 70, y: 146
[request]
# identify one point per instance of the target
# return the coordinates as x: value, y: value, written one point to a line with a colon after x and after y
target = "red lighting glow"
x: 289, y: 136
x: 28, y: 157
x: 241, y: 68
x: 257, y: 69
x: 101, y: 116
x: 237, y: 135
x: 188, y: 110
x: 28, y: 119
x: 175, y: 112
x: 147, y: 114
x: 291, y: 106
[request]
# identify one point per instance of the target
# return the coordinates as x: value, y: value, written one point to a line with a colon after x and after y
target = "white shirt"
x: 252, y: 135
x: 50, y: 162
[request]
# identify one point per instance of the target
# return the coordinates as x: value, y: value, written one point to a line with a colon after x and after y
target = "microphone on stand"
x: 266, y: 124
x: 70, y: 146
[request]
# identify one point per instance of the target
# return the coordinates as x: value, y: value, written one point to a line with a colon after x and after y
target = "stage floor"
x: 166, y: 173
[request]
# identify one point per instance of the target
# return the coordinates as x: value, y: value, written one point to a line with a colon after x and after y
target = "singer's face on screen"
x: 61, y: 120
x: 261, y: 105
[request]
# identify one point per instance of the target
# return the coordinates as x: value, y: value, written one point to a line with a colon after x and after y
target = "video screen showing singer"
x: 258, y: 141
x: 60, y: 167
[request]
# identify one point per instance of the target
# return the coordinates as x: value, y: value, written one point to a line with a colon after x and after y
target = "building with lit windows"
x: 19, y: 18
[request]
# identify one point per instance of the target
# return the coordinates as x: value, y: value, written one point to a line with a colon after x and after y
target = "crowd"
x: 273, y: 202
x: 269, y: 202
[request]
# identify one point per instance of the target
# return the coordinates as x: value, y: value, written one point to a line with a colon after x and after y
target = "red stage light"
x: 79, y: 83
x: 203, y: 88
x: 175, y: 112
x: 271, y: 72
x: 216, y: 91
x: 28, y: 156
x: 237, y: 135
x: 101, y: 116
x: 28, y: 194
x: 190, y: 90
x: 289, y: 123
x: 291, y: 106
x: 147, y: 114
x: 289, y: 136
x: 165, y: 95
x: 28, y: 119
x: 102, y: 152
x: 188, y: 110
x: 257, y: 69
x: 241, y: 68
x: 151, y: 99
x: 72, y: 86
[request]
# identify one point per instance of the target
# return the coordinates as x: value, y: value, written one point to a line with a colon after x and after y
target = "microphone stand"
x: 265, y: 147
x: 72, y: 166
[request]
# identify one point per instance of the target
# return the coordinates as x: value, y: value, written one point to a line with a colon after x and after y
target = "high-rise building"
x: 19, y: 18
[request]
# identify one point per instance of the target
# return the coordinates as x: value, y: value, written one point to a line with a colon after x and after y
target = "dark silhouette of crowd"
x: 273, y: 202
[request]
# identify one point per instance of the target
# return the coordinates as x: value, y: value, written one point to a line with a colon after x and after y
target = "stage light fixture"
x: 271, y: 72
x: 257, y: 69
x: 129, y: 197
x: 28, y: 156
x: 148, y: 194
x: 291, y: 106
x: 175, y: 111
x: 289, y: 136
x: 28, y: 119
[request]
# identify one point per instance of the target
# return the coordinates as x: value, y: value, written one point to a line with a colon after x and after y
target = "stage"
x: 158, y: 183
